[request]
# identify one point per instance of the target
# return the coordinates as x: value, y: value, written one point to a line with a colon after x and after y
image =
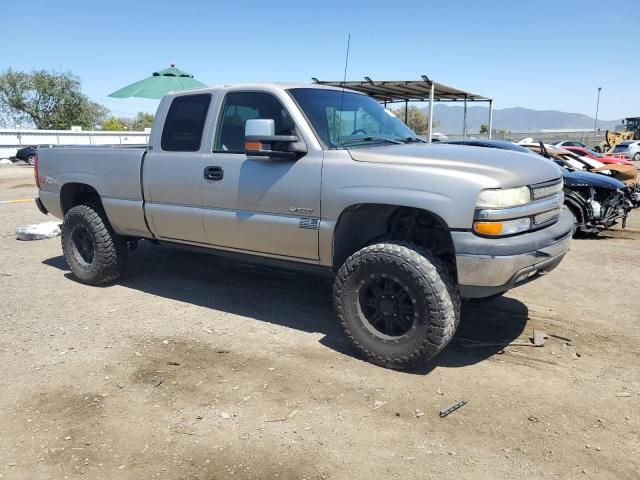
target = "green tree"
x: 416, y: 119
x: 484, y: 128
x: 114, y: 124
x: 141, y: 121
x: 48, y: 100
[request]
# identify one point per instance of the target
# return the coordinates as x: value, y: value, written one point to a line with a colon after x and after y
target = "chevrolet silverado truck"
x: 326, y: 179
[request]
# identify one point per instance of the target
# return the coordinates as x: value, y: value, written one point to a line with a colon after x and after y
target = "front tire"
x: 94, y: 252
x: 636, y: 157
x: 576, y: 222
x: 397, y: 304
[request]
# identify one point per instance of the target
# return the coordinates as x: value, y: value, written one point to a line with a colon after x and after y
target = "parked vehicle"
x: 613, y: 138
x: 587, y: 152
x: 627, y: 174
x: 27, y: 154
x: 499, y: 144
x: 319, y: 178
x: 630, y: 149
x: 596, y: 200
x: 632, y: 124
x: 569, y: 143
x: 629, y: 130
x: 597, y: 203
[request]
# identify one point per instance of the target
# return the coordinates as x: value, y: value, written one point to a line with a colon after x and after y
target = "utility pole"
x: 595, y: 124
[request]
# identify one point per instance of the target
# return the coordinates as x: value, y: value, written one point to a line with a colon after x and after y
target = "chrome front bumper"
x: 527, y: 256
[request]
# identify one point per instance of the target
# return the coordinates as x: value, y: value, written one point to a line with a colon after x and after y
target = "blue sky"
x: 541, y: 55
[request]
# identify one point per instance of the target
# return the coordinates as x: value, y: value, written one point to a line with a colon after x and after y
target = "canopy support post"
x: 464, y: 120
x: 406, y: 112
x: 430, y: 124
x: 490, y: 117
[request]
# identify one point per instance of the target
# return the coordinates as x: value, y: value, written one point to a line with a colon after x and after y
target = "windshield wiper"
x: 413, y: 140
x: 369, y: 138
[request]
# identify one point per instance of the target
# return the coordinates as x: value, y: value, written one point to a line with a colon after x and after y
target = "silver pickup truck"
x: 324, y: 178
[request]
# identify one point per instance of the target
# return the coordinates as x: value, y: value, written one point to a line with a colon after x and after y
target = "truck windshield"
x: 347, y: 119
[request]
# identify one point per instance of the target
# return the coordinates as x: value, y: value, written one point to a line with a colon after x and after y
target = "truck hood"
x: 575, y: 178
x: 508, y: 168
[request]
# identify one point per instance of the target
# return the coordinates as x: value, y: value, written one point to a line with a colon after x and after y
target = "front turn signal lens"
x: 488, y: 228
x: 498, y: 229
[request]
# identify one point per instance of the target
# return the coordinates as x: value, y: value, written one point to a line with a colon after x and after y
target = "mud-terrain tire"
x: 397, y: 304
x: 94, y: 252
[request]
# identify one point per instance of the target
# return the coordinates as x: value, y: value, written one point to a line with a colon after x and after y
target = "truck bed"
x: 113, y: 171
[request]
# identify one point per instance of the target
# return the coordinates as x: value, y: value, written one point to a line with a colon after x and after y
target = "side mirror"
x: 260, y: 140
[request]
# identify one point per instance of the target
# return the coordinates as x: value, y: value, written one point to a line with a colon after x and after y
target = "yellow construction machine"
x: 630, y: 130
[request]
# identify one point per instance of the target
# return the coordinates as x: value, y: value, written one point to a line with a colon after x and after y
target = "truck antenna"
x: 344, y: 79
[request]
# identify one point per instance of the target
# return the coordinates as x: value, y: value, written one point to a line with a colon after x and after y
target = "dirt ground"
x: 195, y: 367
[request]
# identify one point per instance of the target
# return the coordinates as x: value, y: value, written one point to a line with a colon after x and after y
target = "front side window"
x: 242, y: 106
x: 184, y: 124
x: 343, y: 119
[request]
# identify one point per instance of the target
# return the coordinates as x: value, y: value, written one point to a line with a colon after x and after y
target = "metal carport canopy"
x: 414, y: 91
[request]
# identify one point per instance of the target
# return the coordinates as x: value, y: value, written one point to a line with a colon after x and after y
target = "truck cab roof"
x: 261, y: 86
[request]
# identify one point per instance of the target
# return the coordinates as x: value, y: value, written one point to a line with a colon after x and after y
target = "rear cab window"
x: 185, y: 122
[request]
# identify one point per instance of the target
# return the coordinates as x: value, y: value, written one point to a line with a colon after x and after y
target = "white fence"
x: 13, y: 139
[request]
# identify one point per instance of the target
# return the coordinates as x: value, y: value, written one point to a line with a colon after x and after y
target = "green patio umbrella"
x: 159, y: 84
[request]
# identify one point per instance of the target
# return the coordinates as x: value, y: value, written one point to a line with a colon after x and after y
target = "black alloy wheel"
x: 387, y: 306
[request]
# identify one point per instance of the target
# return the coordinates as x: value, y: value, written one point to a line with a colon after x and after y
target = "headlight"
x: 499, y: 198
x: 498, y: 229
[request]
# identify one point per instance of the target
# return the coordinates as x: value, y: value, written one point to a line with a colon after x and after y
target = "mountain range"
x: 516, y: 119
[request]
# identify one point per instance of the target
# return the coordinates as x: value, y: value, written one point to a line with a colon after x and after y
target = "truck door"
x: 259, y: 205
x: 173, y: 172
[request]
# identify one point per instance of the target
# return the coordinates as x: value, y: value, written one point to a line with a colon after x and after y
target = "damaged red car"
x: 587, y: 152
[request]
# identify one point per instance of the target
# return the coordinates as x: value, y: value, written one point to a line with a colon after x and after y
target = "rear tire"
x: 397, y: 304
x: 636, y: 157
x: 94, y: 252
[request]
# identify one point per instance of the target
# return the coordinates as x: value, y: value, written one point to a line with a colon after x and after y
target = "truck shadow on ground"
x: 615, y: 234
x: 296, y: 300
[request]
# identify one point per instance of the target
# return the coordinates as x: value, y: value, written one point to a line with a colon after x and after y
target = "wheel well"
x: 364, y: 224
x: 576, y: 209
x: 578, y: 206
x: 73, y: 194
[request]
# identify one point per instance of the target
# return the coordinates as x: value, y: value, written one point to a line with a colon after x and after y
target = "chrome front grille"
x: 546, y: 217
x: 546, y: 190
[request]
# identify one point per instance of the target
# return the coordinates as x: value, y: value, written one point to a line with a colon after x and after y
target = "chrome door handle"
x: 213, y: 173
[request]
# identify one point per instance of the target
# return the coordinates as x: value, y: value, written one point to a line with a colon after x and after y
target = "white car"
x: 630, y: 149
x: 569, y: 143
